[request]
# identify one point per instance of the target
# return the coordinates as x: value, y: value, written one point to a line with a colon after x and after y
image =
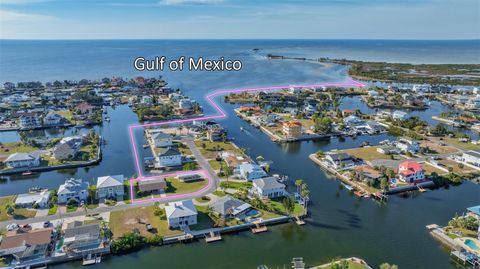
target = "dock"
x: 299, y: 221
x: 259, y: 227
x: 212, y: 237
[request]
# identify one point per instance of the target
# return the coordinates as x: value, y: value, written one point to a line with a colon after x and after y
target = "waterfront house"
x: 471, y: 157
x: 146, y: 100
x: 407, y: 145
x: 110, y: 187
x: 63, y: 151
x: 33, y: 199
x: 181, y: 214
x: 30, y: 120
x: 185, y: 105
x: 73, y: 189
x: 160, y: 139
x: 169, y: 156
x: 411, y: 172
x: 249, y: 171
x: 152, y: 185
x: 53, y: 119
x: 399, y: 115
x: 26, y: 245
x: 80, y: 238
x: 388, y: 150
x: 292, y: 129
x: 353, y: 120
x: 85, y: 108
x: 368, y: 174
x: 229, y: 207
x: 347, y: 112
x: 268, y: 187
x: 216, y: 134
x: 340, y: 160
x: 269, y: 120
x: 22, y: 160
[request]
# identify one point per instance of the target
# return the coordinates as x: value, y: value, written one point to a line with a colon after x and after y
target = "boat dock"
x: 212, y: 237
x: 259, y: 227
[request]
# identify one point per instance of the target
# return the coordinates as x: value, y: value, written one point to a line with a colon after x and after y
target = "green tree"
x: 289, y: 204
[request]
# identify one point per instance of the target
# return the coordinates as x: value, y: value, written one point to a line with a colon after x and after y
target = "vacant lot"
x: 456, y: 169
x: 210, y: 149
x: 429, y: 169
x: 9, y: 148
x: 123, y: 221
x: 367, y: 153
x: 462, y: 145
x: 18, y: 213
x: 174, y: 186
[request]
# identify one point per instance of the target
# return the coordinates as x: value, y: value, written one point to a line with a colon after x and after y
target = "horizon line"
x: 240, y: 39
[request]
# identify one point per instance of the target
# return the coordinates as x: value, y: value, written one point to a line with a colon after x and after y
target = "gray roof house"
x: 268, y: 187
x: 110, y: 187
x: 75, y: 189
x: 20, y: 160
x: 39, y: 198
x: 161, y: 139
x: 181, y: 214
x: 80, y: 238
x: 64, y: 151
x: 228, y: 206
x: 169, y: 157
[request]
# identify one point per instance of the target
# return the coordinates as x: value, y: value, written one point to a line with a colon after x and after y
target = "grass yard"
x: 367, y: 153
x: 429, y: 169
x: 124, y: 221
x: 174, y: 186
x: 278, y: 206
x: 203, y: 220
x: 235, y: 185
x: 462, y: 145
x: 456, y: 169
x: 219, y: 193
x: 18, y: 213
x: 12, y: 147
x: 53, y: 210
x: 209, y: 149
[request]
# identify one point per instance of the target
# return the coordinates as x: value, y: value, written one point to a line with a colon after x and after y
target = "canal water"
x: 340, y: 224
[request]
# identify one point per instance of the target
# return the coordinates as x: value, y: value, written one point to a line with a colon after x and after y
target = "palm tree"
x: 298, y: 184
x: 306, y: 195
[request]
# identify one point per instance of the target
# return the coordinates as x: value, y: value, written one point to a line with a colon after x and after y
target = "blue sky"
x: 238, y: 19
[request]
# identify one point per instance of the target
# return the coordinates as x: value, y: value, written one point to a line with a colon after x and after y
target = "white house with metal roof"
x: 110, y: 187
x: 268, y: 187
x: 181, y: 214
x: 169, y: 157
x: 19, y: 160
x: 30, y: 199
x: 73, y: 189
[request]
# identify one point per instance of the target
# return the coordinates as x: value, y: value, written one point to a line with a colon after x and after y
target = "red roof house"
x: 411, y: 172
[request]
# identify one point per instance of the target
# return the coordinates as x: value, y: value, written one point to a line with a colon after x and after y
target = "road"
x: 199, y: 158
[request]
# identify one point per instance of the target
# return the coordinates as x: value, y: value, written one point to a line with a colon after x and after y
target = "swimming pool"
x: 471, y: 244
x: 252, y: 213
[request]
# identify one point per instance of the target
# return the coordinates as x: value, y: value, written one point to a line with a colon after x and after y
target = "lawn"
x: 235, y: 185
x: 174, y: 186
x: 278, y: 206
x: 429, y: 169
x: 462, y: 145
x: 219, y: 193
x: 461, y: 171
x: 209, y: 149
x: 367, y: 153
x: 53, y: 210
x: 12, y: 147
x: 72, y: 208
x: 123, y: 221
x: 18, y: 213
x: 216, y: 165
x: 203, y: 220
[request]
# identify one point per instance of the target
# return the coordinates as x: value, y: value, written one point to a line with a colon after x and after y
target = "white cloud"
x: 190, y: 2
x: 13, y: 16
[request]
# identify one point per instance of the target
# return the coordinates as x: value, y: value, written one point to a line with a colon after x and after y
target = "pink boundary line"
x: 221, y: 114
